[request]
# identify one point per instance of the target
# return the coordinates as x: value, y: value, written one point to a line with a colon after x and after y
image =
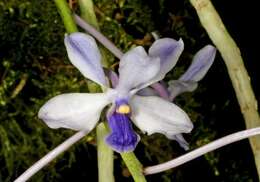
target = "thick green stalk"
x: 134, y: 166
x: 66, y: 16
x: 105, y: 156
x: 231, y: 55
x: 87, y: 12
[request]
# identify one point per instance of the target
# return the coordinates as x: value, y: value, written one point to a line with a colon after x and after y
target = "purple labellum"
x: 122, y: 137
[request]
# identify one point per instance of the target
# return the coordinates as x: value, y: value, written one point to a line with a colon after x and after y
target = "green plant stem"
x: 87, y: 12
x: 231, y: 55
x: 66, y: 16
x: 134, y: 166
x: 105, y: 156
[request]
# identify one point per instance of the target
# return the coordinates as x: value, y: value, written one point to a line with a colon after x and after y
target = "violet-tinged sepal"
x: 136, y: 69
x: 169, y: 51
x: 85, y: 56
x: 200, y: 65
x: 113, y: 77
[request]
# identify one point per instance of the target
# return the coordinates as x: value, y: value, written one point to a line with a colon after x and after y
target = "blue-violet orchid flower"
x: 187, y: 82
x: 200, y: 65
x: 137, y: 70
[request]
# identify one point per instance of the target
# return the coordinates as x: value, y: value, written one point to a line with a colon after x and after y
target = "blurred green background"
x: 34, y: 67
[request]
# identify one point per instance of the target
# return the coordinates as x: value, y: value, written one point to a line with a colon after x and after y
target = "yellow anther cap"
x: 123, y: 109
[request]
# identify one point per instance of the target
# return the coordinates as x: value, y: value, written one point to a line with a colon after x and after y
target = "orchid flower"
x: 188, y: 82
x: 200, y: 65
x: 137, y: 70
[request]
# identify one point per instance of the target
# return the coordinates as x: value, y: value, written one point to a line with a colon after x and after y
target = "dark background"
x: 31, y: 45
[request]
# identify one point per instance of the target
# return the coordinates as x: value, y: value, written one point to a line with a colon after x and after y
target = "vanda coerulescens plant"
x: 178, y: 86
x: 187, y: 82
x: 163, y: 55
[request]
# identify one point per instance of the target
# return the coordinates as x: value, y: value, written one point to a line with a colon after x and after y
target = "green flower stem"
x: 87, y: 12
x: 134, y: 166
x: 231, y: 55
x: 105, y: 156
x: 66, y: 16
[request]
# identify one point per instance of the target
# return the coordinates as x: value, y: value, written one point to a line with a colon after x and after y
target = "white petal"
x: 84, y: 55
x: 155, y: 115
x: 169, y: 51
x: 74, y: 111
x: 136, y: 69
x: 200, y: 65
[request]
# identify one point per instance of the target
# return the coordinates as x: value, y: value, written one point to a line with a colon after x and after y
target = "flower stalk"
x: 87, y: 12
x: 134, y: 166
x: 105, y: 156
x: 216, y: 30
x: 66, y: 16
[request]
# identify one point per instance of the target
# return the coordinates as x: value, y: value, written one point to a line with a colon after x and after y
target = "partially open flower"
x: 137, y: 70
x: 200, y: 65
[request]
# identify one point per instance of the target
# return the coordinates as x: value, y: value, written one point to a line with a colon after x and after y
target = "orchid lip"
x: 122, y: 137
